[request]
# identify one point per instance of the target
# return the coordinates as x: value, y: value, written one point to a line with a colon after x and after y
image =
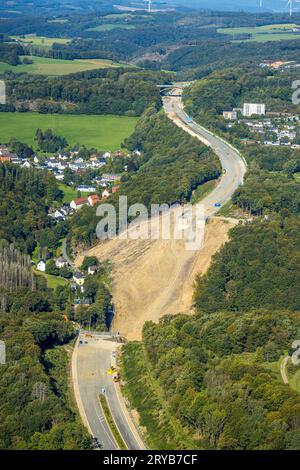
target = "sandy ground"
x: 152, y: 278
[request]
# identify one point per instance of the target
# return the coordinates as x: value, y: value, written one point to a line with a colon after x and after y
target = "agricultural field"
x: 40, y: 41
x: 46, y: 66
x: 101, y: 132
x: 274, y: 32
x: 111, y: 26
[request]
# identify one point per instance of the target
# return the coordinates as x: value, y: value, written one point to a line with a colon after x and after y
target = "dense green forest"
x: 10, y: 53
x: 283, y: 159
x: 208, y: 382
x: 265, y: 192
x: 106, y: 91
x: 257, y: 268
x: 25, y: 198
x: 159, y: 176
x: 34, y: 414
x: 207, y: 56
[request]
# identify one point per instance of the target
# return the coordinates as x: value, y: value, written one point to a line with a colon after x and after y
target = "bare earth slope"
x: 154, y: 278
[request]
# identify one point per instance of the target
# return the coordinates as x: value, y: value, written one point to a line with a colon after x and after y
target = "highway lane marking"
x: 102, y: 420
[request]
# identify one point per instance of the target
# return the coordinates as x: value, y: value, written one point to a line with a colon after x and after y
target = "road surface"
x: 283, y: 372
x: 234, y: 167
x: 65, y: 254
x: 92, y: 357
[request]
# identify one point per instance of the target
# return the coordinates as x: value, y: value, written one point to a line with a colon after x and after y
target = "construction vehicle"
x: 112, y: 370
x: 117, y: 377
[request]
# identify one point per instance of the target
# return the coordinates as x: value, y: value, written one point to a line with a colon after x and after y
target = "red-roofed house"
x: 105, y: 194
x: 79, y: 203
x: 5, y: 158
x: 93, y: 199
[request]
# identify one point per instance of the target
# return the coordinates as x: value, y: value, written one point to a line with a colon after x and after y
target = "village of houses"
x: 266, y: 128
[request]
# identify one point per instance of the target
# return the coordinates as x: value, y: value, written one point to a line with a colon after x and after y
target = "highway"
x: 233, y: 165
x: 92, y: 357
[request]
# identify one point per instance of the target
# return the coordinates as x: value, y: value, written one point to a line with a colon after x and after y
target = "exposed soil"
x: 152, y: 278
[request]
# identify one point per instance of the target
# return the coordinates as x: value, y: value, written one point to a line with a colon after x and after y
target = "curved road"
x: 92, y: 359
x: 234, y: 167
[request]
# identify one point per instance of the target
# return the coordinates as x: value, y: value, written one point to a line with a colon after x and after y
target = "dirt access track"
x: 152, y: 278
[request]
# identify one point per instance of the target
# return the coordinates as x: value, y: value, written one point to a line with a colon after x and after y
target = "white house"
x: 86, y: 189
x: 41, y: 266
x: 92, y: 269
x: 59, y: 214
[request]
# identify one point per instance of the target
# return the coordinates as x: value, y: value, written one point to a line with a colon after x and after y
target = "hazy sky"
x: 234, y: 4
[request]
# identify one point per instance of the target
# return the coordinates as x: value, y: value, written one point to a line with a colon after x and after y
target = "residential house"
x: 230, y: 115
x: 93, y: 199
x: 78, y: 203
x: 61, y: 262
x: 110, y: 177
x: 5, y: 159
x: 106, y: 155
x: 78, y: 278
x: 114, y: 189
x: 105, y: 193
x: 86, y: 189
x: 59, y: 214
x: 92, y: 269
x: 41, y: 266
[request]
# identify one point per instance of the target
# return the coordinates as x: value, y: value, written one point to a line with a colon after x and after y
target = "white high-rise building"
x: 250, y: 109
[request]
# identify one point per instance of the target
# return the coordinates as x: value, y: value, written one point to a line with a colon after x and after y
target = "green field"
x: 101, y: 132
x: 52, y: 281
x: 70, y: 193
x: 40, y: 41
x: 111, y: 26
x: 46, y: 66
x: 274, y: 32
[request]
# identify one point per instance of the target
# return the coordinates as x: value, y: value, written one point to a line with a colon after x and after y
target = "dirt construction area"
x: 152, y: 278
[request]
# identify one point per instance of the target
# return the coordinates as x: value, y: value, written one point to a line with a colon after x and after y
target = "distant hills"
x: 233, y: 5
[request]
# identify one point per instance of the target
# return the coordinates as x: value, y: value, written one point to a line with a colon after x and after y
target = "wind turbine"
x: 261, y: 3
x: 149, y: 5
x: 290, y: 4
